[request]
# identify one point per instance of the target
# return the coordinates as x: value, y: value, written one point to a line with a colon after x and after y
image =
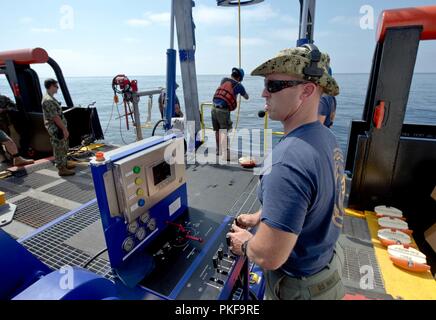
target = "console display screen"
x: 161, y: 172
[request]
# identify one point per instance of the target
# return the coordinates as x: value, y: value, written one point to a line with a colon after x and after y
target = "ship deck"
x: 58, y: 220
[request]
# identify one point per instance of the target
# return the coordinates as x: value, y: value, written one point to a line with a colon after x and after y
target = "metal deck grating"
x: 33, y: 180
x: 11, y: 190
x: 358, y: 257
x: 9, y: 193
x: 74, y: 191
x: 37, y: 213
x: 356, y: 228
x: 49, y: 245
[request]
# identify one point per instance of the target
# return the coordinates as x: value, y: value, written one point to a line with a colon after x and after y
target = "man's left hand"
x: 237, y: 239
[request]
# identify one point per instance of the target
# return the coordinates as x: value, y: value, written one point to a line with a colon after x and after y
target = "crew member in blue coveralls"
x: 224, y: 102
x: 302, y: 191
x: 327, y: 110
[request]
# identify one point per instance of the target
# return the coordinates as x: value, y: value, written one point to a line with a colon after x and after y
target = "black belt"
x: 218, y: 106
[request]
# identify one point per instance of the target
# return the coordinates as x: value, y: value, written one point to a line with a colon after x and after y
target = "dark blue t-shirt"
x: 303, y: 194
x: 327, y: 106
x: 238, y: 88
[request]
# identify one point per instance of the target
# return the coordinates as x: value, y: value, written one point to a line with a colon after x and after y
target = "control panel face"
x: 144, y: 179
x: 193, y: 244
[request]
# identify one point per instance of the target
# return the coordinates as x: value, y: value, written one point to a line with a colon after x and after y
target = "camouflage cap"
x: 293, y: 61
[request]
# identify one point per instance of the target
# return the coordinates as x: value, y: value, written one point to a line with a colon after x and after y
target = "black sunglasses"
x: 273, y: 86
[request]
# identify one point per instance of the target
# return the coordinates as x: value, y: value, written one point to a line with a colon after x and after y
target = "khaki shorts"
x: 221, y: 119
x: 324, y: 285
x: 4, y: 137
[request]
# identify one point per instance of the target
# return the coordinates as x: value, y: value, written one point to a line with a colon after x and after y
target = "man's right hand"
x: 66, y: 134
x: 248, y: 220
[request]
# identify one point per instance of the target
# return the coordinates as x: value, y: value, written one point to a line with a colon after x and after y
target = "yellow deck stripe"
x: 92, y: 146
x: 355, y: 213
x: 400, y: 283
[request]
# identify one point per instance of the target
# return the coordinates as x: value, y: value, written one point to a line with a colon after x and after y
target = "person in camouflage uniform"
x: 6, y: 104
x: 57, y: 128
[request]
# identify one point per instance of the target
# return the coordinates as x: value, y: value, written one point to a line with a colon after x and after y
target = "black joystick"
x: 220, y: 254
x: 215, y: 262
x: 261, y: 114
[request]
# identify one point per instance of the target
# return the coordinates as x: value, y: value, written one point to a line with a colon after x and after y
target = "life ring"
x: 390, y: 237
x: 408, y: 258
x: 247, y: 162
x: 384, y: 211
x: 394, y: 224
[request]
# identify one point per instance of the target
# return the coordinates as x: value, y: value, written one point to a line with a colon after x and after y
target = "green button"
x: 137, y: 170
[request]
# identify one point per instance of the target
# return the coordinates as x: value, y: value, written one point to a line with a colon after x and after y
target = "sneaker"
x: 64, y: 172
x: 20, y: 161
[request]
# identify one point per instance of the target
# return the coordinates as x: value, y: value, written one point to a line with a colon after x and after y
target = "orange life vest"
x: 225, y: 92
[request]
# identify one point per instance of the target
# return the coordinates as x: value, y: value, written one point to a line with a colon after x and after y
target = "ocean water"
x: 421, y: 107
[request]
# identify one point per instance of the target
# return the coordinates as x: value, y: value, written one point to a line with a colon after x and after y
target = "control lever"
x: 185, y: 233
x: 215, y: 262
x: 220, y: 254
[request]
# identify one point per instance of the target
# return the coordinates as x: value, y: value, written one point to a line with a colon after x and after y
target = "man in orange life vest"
x: 224, y: 102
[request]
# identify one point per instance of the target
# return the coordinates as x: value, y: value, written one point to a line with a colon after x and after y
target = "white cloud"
x: 42, y: 30
x: 138, y: 22
x: 229, y: 41
x: 262, y: 12
x: 217, y: 16
x: 26, y: 20
x: 163, y: 17
x: 346, y: 20
x: 150, y: 18
x: 214, y: 15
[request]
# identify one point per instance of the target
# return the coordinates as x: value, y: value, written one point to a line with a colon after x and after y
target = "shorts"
x: 221, y: 119
x: 4, y: 137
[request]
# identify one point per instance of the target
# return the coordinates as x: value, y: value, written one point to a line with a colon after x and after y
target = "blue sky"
x: 105, y: 38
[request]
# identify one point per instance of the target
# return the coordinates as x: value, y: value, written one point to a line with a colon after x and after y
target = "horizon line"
x: 208, y: 74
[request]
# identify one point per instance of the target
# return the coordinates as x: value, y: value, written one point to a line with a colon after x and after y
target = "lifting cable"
x: 240, y: 65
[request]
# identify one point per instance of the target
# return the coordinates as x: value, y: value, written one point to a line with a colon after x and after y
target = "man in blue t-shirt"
x: 327, y: 110
x: 224, y: 102
x: 302, y: 190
